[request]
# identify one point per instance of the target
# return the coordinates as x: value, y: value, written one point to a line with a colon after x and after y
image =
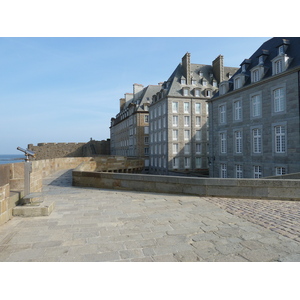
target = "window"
x: 223, y: 171
x: 198, y: 162
x: 208, y: 93
x: 256, y: 136
x: 281, y: 50
x: 198, y: 121
x: 280, y: 171
x: 277, y: 67
x: 237, y: 83
x: 146, y: 130
x: 187, y: 162
x: 175, y: 134
x: 279, y: 100
x: 256, y: 106
x: 238, y: 171
x: 198, y: 136
x: 175, y: 162
x: 215, y: 84
x: 175, y: 148
x: 146, y: 140
x: 198, y: 148
x: 183, y: 80
x: 238, y: 141
x: 204, y: 82
x: 186, y: 135
x: 175, y: 107
x: 222, y: 114
x: 194, y: 82
x: 146, y: 151
x: 187, y: 148
x: 175, y: 121
x: 261, y: 60
x: 257, y: 172
x: 186, y: 120
x: 280, y: 139
x: 186, y: 107
x: 197, y: 92
x: 146, y: 119
x: 185, y: 92
x: 255, y: 76
x: 197, y: 108
x: 237, y: 110
x: 223, y: 145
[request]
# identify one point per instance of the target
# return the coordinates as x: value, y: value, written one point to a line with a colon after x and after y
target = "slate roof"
x: 270, y: 50
x: 175, y: 88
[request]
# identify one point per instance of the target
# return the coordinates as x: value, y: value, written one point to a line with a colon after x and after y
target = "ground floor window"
x: 257, y: 172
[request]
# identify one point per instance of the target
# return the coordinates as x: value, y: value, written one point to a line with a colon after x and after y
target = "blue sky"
x: 67, y: 89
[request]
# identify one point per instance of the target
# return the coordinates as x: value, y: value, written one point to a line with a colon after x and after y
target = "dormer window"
x: 204, y: 82
x: 277, y: 66
x: 255, y: 75
x: 237, y: 83
x: 185, y: 91
x: 194, y: 82
x: 243, y: 68
x: 261, y: 60
x: 197, y: 92
x: 200, y: 73
x: 208, y: 93
x: 214, y: 83
x: 224, y: 87
x: 183, y: 80
x: 281, y: 50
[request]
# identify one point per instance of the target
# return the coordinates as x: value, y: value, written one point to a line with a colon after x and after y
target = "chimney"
x: 122, y: 103
x: 137, y: 88
x: 186, y: 66
x: 218, y: 68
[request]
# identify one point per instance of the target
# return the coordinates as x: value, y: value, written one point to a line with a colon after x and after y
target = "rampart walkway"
x: 107, y: 225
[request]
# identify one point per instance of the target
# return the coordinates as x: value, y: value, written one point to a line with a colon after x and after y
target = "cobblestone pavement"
x: 95, y: 225
x: 279, y: 216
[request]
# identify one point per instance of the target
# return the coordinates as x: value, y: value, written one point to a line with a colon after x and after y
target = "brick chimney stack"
x: 186, y: 65
x: 218, y: 68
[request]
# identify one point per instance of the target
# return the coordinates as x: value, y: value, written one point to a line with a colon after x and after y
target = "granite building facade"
x: 254, y: 117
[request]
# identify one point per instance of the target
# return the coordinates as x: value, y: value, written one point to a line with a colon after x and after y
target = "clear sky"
x: 67, y: 89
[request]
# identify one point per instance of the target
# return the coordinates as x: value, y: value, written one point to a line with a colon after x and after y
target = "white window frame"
x: 223, y: 142
x: 237, y: 110
x: 186, y: 107
x: 279, y: 101
x: 280, y: 171
x: 175, y: 148
x: 175, y: 107
x: 198, y: 161
x: 198, y: 108
x: 222, y: 113
x: 223, y: 170
x: 198, y: 148
x: 187, y: 148
x: 186, y: 121
x: 175, y: 161
x: 198, y: 135
x: 256, y: 105
x: 175, y: 121
x: 256, y: 140
x: 280, y: 138
x: 175, y: 135
x: 187, y: 135
x: 238, y: 141
x: 187, y: 162
x: 198, y: 121
x: 257, y: 171
x: 238, y: 171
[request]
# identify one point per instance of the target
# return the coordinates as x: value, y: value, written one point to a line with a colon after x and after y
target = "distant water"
x: 11, y: 158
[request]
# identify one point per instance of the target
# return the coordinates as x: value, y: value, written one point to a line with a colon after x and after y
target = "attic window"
x: 183, y: 80
x: 194, y: 82
x: 200, y: 73
x: 204, y: 82
x: 281, y: 50
x: 215, y: 84
x: 243, y: 68
x: 261, y: 60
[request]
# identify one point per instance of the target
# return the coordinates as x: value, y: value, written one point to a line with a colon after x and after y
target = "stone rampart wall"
x: 57, y: 150
x: 12, y: 180
x: 214, y: 187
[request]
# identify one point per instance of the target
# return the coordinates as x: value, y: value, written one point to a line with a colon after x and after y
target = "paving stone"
x: 105, y: 225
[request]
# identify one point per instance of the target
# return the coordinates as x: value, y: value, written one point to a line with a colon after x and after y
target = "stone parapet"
x: 238, y: 188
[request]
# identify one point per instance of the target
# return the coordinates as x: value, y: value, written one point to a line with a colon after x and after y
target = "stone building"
x: 254, y: 118
x: 178, y: 117
x: 129, y: 130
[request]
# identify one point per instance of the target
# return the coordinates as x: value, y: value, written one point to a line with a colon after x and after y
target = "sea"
x: 11, y: 158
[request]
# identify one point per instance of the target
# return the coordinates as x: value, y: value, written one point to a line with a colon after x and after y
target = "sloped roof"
x: 270, y: 50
